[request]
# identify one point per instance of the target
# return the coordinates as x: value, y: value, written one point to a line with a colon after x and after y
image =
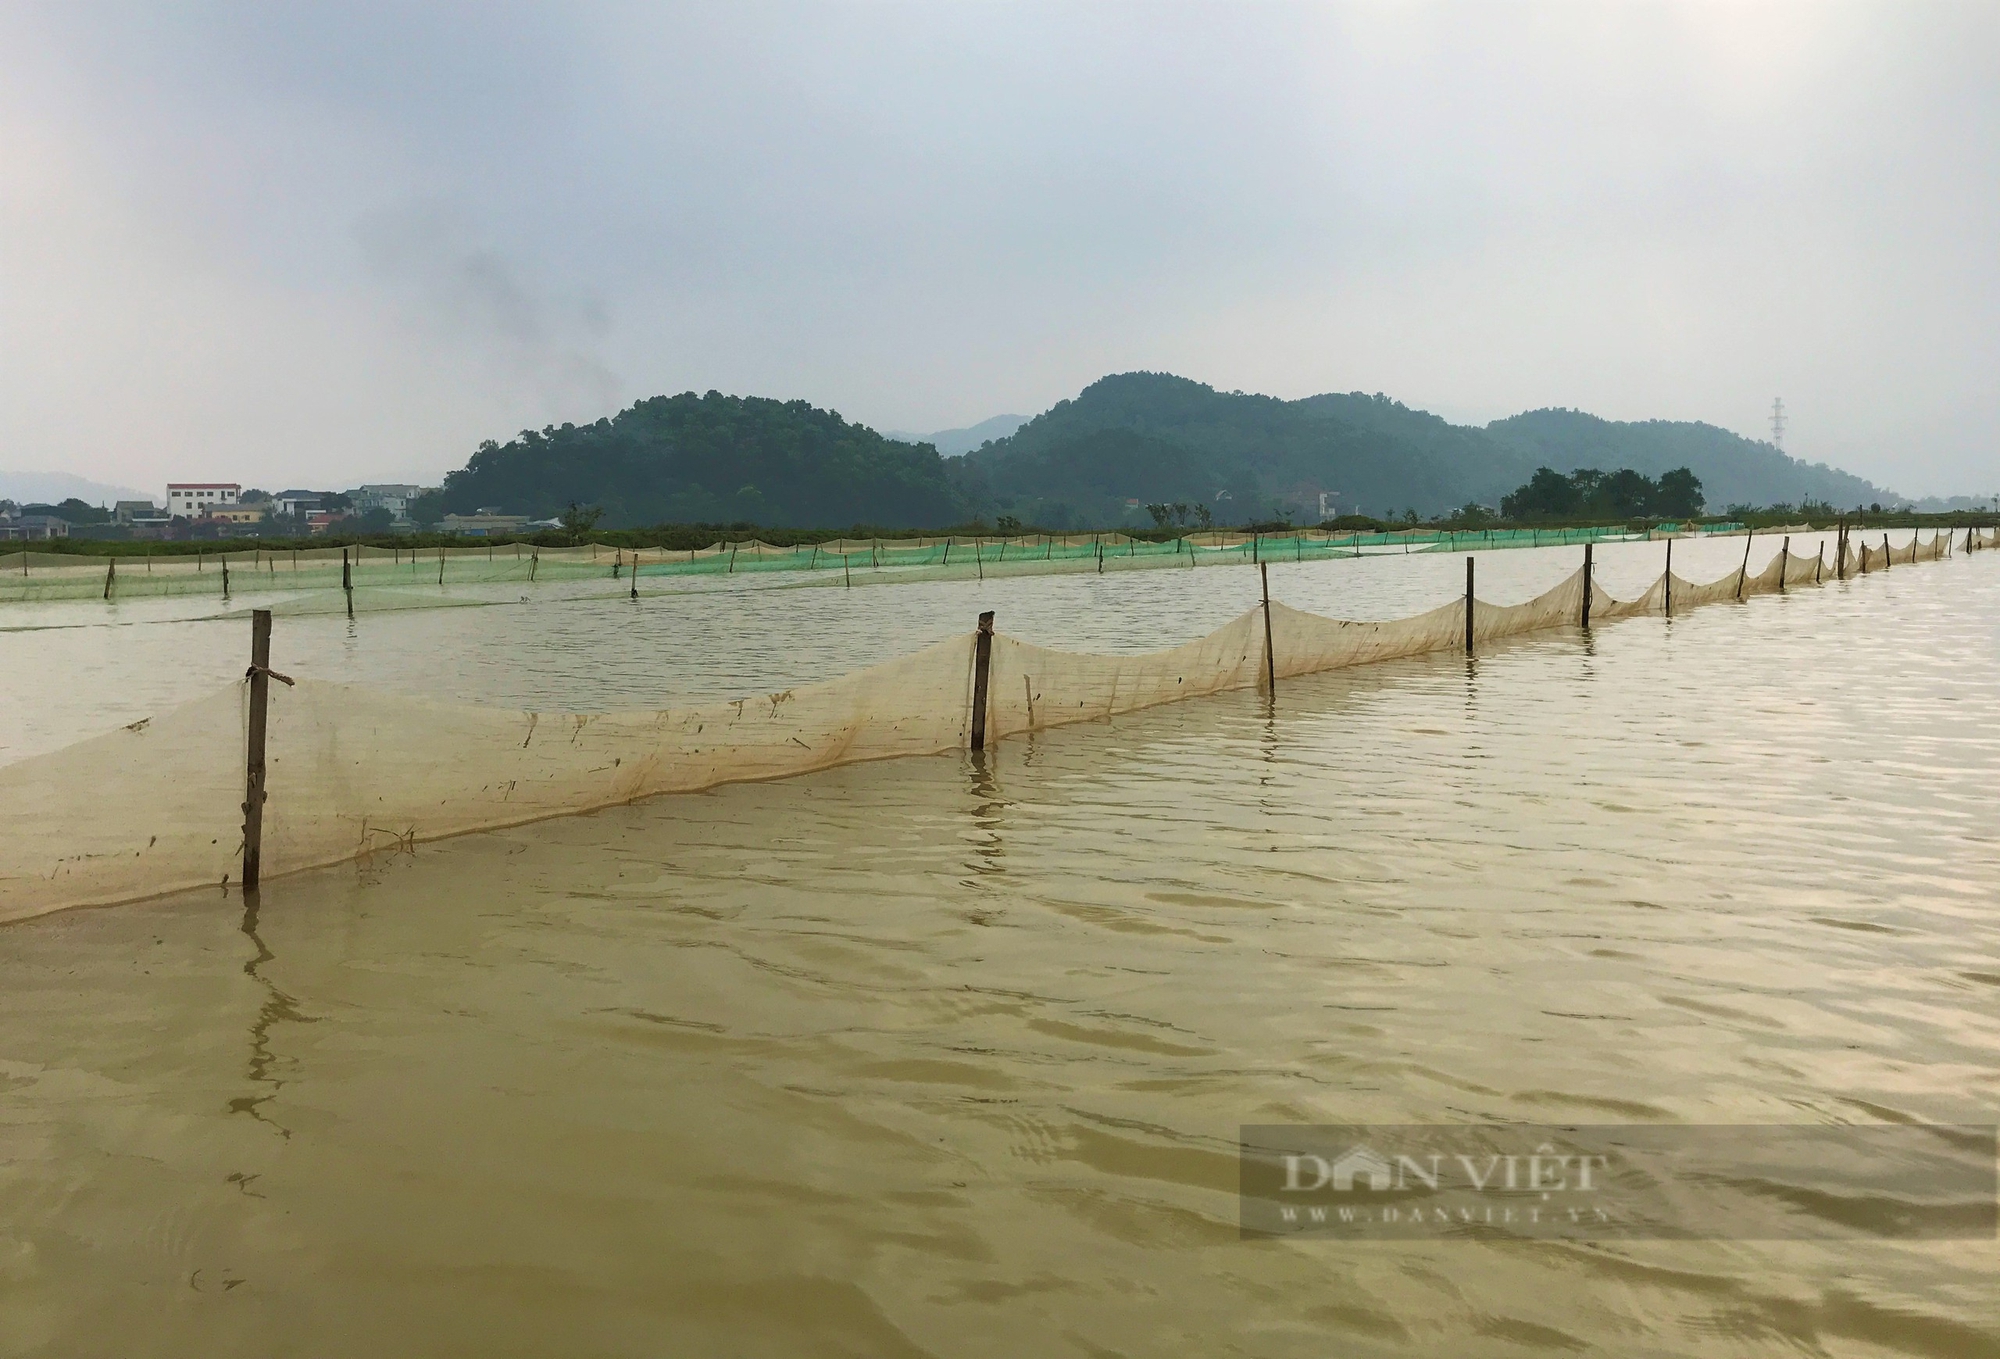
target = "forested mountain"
x: 1138, y: 438
x: 712, y: 459
x: 1096, y: 461
x: 1733, y: 470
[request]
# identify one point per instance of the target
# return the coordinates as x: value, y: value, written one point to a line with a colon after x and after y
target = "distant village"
x: 225, y: 509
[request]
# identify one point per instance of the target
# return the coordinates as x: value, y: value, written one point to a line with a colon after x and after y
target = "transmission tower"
x: 1778, y: 423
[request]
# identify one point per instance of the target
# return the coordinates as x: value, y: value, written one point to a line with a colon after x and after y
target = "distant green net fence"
x: 297, y: 775
x: 27, y: 577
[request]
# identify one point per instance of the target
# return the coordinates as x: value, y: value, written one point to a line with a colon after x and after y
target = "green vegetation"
x: 1140, y: 439
x: 1625, y: 494
x: 714, y: 458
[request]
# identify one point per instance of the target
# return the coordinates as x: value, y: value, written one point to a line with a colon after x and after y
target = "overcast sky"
x: 310, y: 244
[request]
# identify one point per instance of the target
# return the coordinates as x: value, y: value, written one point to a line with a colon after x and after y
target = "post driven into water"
x: 260, y: 675
x: 982, y: 671
x: 1270, y: 655
x: 1585, y: 622
x: 1468, y: 605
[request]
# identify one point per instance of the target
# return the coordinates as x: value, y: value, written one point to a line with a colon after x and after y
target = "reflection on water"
x: 947, y: 1056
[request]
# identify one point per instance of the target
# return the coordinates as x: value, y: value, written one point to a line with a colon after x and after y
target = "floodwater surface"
x: 948, y: 1056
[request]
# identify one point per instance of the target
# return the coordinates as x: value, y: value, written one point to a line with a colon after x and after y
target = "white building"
x: 394, y: 498
x: 195, y: 498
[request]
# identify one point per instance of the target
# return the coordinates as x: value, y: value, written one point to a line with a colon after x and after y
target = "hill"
x: 712, y: 459
x: 1098, y: 459
x: 1733, y: 470
x: 1255, y: 457
x: 953, y: 442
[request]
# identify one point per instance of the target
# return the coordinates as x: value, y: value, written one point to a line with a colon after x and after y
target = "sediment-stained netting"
x: 156, y: 807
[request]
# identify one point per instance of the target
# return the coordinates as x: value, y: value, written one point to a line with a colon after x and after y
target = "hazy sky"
x: 310, y: 244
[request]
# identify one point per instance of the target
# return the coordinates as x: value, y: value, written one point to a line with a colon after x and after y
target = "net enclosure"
x: 159, y: 806
x: 29, y: 577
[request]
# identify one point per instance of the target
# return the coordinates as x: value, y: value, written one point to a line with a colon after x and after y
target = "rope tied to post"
x: 269, y: 673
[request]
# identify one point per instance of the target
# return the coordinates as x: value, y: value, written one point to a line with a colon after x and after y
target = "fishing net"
x: 156, y: 806
x: 30, y: 577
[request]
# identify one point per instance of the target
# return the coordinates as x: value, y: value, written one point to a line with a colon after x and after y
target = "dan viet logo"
x: 1543, y: 1170
x: 1631, y: 1181
x: 1540, y: 1174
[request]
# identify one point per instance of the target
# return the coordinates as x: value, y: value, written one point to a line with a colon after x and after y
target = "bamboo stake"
x: 982, y: 665
x: 1469, y: 605
x: 1586, y: 583
x: 260, y: 675
x: 1270, y: 656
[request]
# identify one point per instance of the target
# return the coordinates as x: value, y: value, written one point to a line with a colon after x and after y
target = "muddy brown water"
x: 947, y: 1056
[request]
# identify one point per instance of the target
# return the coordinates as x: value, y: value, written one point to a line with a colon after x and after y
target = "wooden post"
x: 1839, y: 550
x: 110, y: 573
x: 225, y: 578
x: 982, y: 667
x: 979, y: 558
x: 534, y: 563
x: 635, y: 573
x: 1785, y: 560
x: 1888, y: 557
x: 1743, y: 572
x: 847, y: 570
x: 1586, y: 583
x: 1468, y: 604
x: 1270, y: 654
x: 253, y: 789
x: 732, y: 561
x: 441, y: 560
x: 1669, y: 578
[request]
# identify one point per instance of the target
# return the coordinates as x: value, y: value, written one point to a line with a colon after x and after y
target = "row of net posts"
x: 259, y: 675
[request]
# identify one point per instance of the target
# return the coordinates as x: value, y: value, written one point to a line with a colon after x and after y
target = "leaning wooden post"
x: 1586, y: 584
x: 1270, y: 654
x: 253, y: 790
x: 441, y: 560
x: 110, y: 574
x: 982, y: 668
x: 1888, y: 557
x: 1785, y: 558
x: 1743, y: 573
x: 1468, y: 604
